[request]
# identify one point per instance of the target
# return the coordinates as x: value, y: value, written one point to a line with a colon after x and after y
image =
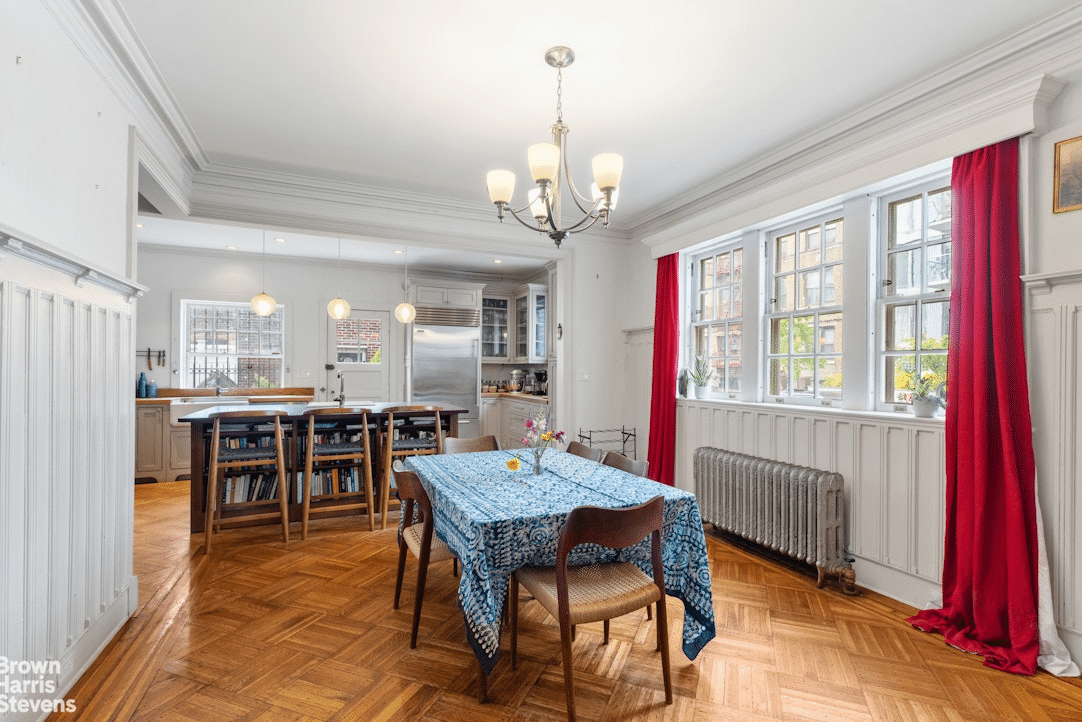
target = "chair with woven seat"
x: 242, y: 445
x: 418, y: 536
x: 574, y: 447
x: 338, y: 461
x: 638, y: 467
x: 598, y: 592
x: 407, y: 431
x: 453, y: 445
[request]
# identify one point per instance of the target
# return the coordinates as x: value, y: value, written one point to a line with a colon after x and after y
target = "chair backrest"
x: 251, y: 418
x: 328, y: 418
x: 415, y: 417
x: 617, y: 460
x: 614, y: 529
x: 574, y: 447
x: 413, y: 495
x: 453, y: 445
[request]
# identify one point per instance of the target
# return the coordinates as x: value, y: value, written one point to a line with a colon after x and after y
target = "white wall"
x: 66, y: 357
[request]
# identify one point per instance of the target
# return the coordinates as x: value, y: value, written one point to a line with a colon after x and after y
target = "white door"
x: 358, y: 357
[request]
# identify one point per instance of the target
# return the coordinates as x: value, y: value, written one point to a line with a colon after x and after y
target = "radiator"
x: 794, y: 510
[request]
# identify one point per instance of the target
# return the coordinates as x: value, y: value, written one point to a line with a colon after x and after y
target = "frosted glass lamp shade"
x: 608, y: 167
x: 501, y: 186
x: 263, y: 304
x: 544, y: 161
x: 538, y: 208
x: 339, y: 309
x: 405, y: 312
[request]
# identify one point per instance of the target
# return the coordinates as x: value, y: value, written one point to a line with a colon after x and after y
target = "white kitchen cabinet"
x: 496, y: 328
x: 491, y: 418
x: 515, y: 413
x: 530, y: 324
x: 162, y: 450
x: 447, y: 293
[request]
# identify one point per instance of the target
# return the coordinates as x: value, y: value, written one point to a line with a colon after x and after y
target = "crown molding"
x: 260, y: 197
x: 167, y: 145
x: 992, y: 94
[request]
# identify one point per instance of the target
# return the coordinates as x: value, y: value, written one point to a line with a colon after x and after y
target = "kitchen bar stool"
x: 248, y: 447
x: 408, y: 431
x: 339, y: 450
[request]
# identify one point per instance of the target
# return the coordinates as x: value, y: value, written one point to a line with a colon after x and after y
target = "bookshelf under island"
x: 295, y: 422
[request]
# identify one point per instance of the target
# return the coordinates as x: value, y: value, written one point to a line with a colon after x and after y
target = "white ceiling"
x: 425, y: 96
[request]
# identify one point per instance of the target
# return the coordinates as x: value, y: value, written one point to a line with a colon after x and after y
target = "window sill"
x: 808, y: 410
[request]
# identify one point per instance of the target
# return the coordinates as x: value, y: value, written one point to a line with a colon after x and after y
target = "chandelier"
x: 545, y: 161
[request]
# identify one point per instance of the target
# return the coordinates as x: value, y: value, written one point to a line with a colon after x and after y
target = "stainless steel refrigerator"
x: 446, y: 367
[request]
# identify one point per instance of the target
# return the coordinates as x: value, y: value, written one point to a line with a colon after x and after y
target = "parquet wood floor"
x: 263, y: 631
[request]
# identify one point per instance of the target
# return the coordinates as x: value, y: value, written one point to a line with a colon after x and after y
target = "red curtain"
x: 990, y: 551
x: 662, y: 453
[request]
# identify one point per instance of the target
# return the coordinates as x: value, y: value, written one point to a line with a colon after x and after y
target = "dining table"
x: 496, y: 519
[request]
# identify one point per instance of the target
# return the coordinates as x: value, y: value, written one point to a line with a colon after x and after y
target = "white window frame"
x: 721, y: 385
x: 816, y: 355
x: 926, y: 295
x: 185, y: 353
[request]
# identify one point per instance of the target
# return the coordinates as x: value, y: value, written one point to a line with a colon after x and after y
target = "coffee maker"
x: 541, y: 384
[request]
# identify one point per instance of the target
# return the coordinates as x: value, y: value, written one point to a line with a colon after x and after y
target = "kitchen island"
x: 202, y: 424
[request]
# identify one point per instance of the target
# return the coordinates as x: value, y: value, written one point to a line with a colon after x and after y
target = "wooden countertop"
x: 517, y: 395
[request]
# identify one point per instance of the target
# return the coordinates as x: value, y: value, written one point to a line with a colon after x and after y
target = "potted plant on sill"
x: 925, y: 401
x: 700, y: 376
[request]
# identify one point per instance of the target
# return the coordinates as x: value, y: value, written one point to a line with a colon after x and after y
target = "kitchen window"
x: 914, y: 298
x: 804, y: 314
x: 225, y: 345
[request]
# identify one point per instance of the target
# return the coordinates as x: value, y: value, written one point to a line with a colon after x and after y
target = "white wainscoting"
x: 892, y: 465
x: 1054, y: 360
x: 67, y: 371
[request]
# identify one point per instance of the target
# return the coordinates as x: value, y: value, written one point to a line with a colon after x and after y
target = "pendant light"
x: 263, y: 304
x: 339, y: 307
x: 405, y: 312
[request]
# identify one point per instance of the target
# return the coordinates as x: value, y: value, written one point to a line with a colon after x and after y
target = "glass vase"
x: 537, y: 460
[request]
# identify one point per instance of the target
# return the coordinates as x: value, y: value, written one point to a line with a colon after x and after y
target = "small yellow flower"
x: 514, y: 464
x: 547, y: 436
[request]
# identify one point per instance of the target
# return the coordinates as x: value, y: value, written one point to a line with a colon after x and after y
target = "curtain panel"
x: 990, y: 551
x: 662, y: 448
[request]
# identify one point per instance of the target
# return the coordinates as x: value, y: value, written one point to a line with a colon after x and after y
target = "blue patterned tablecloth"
x: 497, y: 520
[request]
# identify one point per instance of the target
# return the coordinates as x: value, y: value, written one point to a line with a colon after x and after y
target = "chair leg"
x: 419, y: 595
x: 663, y: 645
x: 649, y: 611
x: 606, y: 623
x: 384, y: 490
x: 212, y: 502
x: 369, y: 499
x: 306, y: 481
x: 512, y: 596
x: 569, y: 679
x: 401, y: 571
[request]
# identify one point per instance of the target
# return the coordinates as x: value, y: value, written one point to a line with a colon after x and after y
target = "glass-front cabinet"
x: 495, y: 328
x: 531, y: 322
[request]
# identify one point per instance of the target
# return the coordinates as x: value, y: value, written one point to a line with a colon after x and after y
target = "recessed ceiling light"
x: 138, y: 225
x: 230, y: 248
x: 280, y: 239
x: 399, y: 251
x: 497, y: 260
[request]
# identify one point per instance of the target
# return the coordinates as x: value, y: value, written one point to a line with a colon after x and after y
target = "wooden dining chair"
x: 418, y: 536
x: 596, y: 592
x: 340, y: 451
x: 586, y: 452
x: 454, y: 445
x: 638, y: 467
x: 244, y: 445
x: 407, y: 431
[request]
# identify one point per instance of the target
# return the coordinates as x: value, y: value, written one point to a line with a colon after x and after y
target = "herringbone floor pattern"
x: 305, y: 631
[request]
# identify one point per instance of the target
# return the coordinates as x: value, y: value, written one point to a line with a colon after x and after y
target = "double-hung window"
x: 804, y: 326
x: 226, y: 345
x: 719, y: 314
x: 914, y: 298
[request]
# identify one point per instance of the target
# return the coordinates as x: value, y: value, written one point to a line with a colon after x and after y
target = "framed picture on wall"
x: 1067, y: 195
